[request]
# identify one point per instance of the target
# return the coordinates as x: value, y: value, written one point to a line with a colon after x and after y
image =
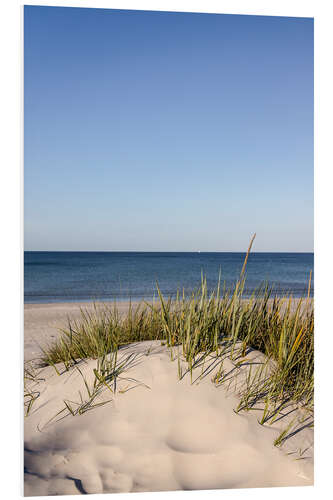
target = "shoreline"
x: 119, y: 300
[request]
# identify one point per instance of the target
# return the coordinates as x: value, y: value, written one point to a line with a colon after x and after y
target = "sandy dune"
x: 156, y: 433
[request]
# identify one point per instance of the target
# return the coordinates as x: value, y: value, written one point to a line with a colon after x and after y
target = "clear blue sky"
x: 167, y: 131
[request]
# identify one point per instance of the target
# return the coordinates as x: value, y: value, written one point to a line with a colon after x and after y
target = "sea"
x: 51, y: 277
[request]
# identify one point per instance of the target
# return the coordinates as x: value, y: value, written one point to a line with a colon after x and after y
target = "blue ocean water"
x: 87, y: 276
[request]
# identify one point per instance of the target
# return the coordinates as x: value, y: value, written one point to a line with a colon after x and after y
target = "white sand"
x: 173, y: 435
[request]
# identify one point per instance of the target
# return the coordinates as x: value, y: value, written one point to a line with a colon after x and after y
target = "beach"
x: 168, y: 261
x: 153, y: 430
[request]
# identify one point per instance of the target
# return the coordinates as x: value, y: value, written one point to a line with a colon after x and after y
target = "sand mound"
x: 167, y: 434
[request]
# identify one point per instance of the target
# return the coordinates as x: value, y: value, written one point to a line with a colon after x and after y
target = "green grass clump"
x: 102, y: 331
x: 269, y: 324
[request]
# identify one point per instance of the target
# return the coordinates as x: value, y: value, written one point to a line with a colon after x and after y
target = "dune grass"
x: 280, y: 327
x: 102, y: 331
x: 31, y: 377
x: 109, y: 369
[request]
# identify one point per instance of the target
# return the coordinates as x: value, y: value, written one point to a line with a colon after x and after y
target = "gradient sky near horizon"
x: 155, y: 131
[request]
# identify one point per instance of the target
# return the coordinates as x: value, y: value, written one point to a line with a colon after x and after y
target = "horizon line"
x: 171, y: 251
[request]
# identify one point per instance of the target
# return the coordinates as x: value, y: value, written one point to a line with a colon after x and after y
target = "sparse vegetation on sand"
x: 222, y: 323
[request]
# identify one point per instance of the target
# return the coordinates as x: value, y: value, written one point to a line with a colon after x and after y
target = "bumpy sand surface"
x: 156, y: 433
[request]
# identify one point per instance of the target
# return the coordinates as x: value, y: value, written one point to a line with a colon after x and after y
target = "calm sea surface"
x: 85, y: 276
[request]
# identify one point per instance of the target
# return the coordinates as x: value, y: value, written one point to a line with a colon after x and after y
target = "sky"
x: 161, y: 131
